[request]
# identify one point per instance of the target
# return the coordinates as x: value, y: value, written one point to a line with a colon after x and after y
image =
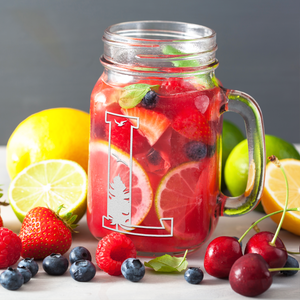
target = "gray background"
x: 49, y: 52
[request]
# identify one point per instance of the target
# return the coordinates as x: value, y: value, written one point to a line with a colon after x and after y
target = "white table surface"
x: 153, y: 285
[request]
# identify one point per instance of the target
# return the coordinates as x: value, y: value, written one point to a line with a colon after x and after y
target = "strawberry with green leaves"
x: 44, y: 232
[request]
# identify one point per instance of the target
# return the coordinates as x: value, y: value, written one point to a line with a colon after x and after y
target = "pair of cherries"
x: 265, y: 254
x: 248, y: 274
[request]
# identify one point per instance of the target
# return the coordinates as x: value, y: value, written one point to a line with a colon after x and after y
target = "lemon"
x: 236, y: 167
x: 274, y: 194
x: 49, y: 183
x: 56, y: 133
x: 231, y: 136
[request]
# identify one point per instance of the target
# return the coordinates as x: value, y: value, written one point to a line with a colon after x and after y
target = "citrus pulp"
x: 237, y: 164
x: 49, y: 183
x: 274, y: 193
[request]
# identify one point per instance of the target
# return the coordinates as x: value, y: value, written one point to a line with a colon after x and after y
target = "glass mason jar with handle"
x: 155, y: 144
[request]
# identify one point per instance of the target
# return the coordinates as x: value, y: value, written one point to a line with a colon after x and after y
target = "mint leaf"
x: 169, y: 50
x: 202, y: 79
x: 133, y: 94
x: 168, y: 263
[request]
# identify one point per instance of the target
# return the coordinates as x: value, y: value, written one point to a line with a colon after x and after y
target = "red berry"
x: 193, y: 125
x: 175, y: 86
x: 1, y: 222
x: 120, y: 131
x: 220, y: 255
x: 43, y: 233
x: 249, y: 275
x: 112, y: 250
x: 10, y: 248
x: 151, y: 124
x: 275, y: 256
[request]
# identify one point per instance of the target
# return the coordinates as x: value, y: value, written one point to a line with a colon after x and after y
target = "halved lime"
x: 50, y: 183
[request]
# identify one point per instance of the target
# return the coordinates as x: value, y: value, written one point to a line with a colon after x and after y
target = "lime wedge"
x: 50, y: 183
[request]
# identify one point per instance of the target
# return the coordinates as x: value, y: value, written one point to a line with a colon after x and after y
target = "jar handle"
x: 247, y: 107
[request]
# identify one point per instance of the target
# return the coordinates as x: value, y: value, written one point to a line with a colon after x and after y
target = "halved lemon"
x: 50, y: 183
x: 274, y: 193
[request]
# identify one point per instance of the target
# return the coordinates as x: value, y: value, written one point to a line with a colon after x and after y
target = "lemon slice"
x: 50, y: 183
x: 274, y: 193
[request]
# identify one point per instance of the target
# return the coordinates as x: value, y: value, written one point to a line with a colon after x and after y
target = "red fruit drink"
x: 175, y: 149
x: 155, y: 146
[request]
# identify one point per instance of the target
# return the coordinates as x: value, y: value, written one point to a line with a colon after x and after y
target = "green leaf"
x: 169, y: 50
x: 134, y: 93
x: 168, y: 263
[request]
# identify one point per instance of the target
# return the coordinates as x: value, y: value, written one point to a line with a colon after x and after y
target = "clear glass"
x: 155, y: 145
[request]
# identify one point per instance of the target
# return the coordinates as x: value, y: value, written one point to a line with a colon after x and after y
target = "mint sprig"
x: 168, y: 263
x: 202, y: 79
x: 133, y: 94
x: 169, y: 50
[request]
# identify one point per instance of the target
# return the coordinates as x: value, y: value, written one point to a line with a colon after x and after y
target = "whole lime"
x: 236, y: 167
x: 231, y: 136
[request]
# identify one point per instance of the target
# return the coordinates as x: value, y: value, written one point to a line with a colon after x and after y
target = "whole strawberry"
x: 10, y: 248
x: 43, y: 232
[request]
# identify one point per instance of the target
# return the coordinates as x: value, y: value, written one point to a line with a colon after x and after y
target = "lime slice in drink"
x: 50, y: 183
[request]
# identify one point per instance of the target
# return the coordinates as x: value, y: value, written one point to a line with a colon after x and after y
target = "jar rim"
x: 135, y: 32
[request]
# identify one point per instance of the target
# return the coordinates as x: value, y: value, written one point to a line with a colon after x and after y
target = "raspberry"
x: 175, y: 85
x: 10, y: 248
x: 1, y: 222
x: 112, y: 250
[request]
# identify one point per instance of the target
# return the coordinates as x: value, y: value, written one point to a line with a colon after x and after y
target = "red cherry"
x: 275, y: 256
x: 220, y: 255
x: 249, y: 275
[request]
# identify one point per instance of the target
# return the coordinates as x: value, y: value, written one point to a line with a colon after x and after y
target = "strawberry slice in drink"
x: 194, y: 125
x: 151, y: 124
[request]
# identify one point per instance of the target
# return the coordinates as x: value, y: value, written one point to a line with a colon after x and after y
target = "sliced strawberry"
x: 120, y: 132
x: 195, y: 126
x: 151, y: 124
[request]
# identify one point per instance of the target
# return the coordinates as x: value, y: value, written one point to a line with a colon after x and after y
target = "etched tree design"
x: 119, y: 205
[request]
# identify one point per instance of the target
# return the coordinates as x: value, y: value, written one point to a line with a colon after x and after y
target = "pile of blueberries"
x: 82, y: 269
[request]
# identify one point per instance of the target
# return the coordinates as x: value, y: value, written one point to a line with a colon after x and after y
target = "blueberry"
x: 195, y: 150
x: 83, y: 270
x: 55, y: 264
x: 11, y: 279
x: 193, y: 275
x: 290, y: 263
x: 31, y: 264
x: 26, y: 273
x: 154, y: 157
x: 150, y: 100
x: 79, y: 253
x: 132, y: 269
x: 211, y: 149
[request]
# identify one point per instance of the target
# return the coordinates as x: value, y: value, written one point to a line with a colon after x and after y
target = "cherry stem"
x: 266, y: 216
x: 274, y: 159
x: 283, y: 269
x: 291, y: 252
